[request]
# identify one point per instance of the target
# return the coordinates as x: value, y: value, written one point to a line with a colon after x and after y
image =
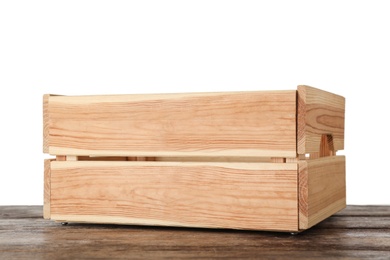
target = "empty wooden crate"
x: 263, y: 160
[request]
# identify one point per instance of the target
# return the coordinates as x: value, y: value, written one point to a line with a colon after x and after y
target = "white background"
x: 101, y: 47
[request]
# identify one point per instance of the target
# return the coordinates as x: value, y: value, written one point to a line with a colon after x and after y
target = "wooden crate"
x: 263, y: 160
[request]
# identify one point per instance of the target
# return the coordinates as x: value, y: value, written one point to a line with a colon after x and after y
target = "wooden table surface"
x: 356, y: 232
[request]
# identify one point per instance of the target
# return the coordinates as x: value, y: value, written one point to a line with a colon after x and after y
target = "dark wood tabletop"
x: 356, y: 232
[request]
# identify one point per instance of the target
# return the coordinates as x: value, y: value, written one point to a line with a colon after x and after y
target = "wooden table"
x: 356, y: 232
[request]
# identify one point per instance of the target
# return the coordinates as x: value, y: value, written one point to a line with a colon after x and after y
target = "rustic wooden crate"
x: 263, y: 160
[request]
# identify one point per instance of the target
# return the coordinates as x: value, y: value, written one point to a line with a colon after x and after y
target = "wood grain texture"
x: 250, y: 124
x: 61, y: 158
x: 322, y: 189
x: 358, y: 232
x: 319, y: 112
x: 214, y: 195
x: 46, y: 123
x: 213, y: 159
x: 46, y: 189
x: 102, y: 158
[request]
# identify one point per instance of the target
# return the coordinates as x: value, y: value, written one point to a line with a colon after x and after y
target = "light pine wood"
x: 314, y: 155
x: 215, y: 195
x: 319, y: 113
x: 182, y: 159
x: 101, y: 158
x: 242, y: 160
x: 321, y: 189
x: 327, y: 147
x: 278, y: 160
x: 250, y: 124
x: 46, y: 123
x: 291, y: 160
x: 61, y: 158
x: 46, y: 189
x: 213, y: 159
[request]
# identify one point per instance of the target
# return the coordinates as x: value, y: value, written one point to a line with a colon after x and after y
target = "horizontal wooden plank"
x: 319, y: 113
x: 213, y: 159
x: 258, y: 196
x: 322, y: 190
x: 250, y: 124
x: 229, y: 165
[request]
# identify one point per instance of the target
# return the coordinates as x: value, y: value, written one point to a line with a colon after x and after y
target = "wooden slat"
x: 213, y: 159
x: 87, y: 158
x: 321, y: 189
x: 251, y: 124
x: 47, y: 189
x: 214, y: 195
x: 278, y: 160
x: 319, y: 113
x: 46, y: 123
x: 61, y: 158
x: 175, y: 159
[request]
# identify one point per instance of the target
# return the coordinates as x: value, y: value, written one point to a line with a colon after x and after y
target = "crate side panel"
x: 209, y: 124
x: 322, y: 189
x: 211, y: 195
x: 319, y: 113
x: 46, y: 188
